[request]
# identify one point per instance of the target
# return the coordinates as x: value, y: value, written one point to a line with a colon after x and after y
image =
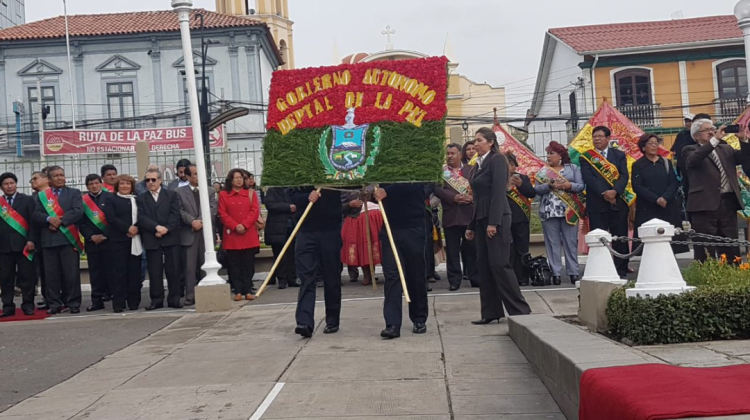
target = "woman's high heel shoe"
x: 485, y: 321
x: 556, y: 280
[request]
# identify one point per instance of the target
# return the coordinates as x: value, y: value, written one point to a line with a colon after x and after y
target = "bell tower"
x: 275, y: 13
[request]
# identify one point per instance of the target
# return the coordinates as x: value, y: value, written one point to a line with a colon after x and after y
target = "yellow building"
x: 275, y: 13
x: 655, y: 73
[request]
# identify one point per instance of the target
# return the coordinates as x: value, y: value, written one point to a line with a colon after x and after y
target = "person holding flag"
x: 16, y: 247
x: 59, y: 210
x: 109, y: 177
x: 94, y: 228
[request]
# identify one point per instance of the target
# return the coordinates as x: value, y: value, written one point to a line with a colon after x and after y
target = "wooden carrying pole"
x: 369, y: 245
x: 395, y: 252
x: 286, y: 247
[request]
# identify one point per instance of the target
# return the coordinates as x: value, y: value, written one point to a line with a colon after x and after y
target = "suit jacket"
x: 164, y: 212
x: 455, y: 214
x: 279, y: 218
x: 490, y: 184
x: 10, y: 239
x: 190, y: 211
x: 72, y: 206
x: 526, y: 190
x: 705, y: 178
x: 120, y: 218
x: 596, y: 185
x: 89, y: 229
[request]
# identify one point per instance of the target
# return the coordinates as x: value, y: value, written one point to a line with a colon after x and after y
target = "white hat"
x: 689, y: 116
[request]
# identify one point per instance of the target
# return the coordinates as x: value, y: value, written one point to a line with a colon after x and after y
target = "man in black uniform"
x: 94, y: 230
x: 318, y: 250
x: 403, y: 205
x: 16, y: 247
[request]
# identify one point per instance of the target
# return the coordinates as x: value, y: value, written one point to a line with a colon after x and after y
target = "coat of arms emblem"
x: 347, y: 157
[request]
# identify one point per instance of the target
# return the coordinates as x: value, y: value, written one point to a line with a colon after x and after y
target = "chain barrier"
x: 717, y: 241
x: 608, y: 244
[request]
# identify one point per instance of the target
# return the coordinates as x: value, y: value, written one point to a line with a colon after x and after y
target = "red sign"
x: 86, y: 142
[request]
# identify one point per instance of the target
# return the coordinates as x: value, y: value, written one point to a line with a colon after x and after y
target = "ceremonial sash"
x: 52, y: 206
x: 574, y: 202
x: 94, y: 213
x: 608, y: 171
x: 523, y: 202
x: 17, y: 222
x: 455, y: 180
x: 108, y: 188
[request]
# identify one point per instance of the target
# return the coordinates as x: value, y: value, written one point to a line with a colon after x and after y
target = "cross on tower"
x: 388, y: 32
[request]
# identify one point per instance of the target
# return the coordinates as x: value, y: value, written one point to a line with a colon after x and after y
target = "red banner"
x: 86, y: 142
x: 528, y: 163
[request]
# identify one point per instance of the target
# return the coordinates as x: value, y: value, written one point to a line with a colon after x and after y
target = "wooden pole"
x: 286, y: 247
x: 369, y: 245
x: 395, y: 252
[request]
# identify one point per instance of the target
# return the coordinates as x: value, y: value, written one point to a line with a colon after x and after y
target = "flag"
x: 744, y: 181
x: 528, y: 163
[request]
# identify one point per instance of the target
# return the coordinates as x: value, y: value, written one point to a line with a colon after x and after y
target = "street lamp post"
x: 211, y: 266
x: 742, y: 13
x: 204, y: 112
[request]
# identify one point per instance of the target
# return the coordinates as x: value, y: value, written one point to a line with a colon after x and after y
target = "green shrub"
x: 718, y: 309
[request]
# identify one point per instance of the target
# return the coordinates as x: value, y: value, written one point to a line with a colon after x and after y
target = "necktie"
x: 57, y: 192
x: 9, y: 198
x: 724, y: 180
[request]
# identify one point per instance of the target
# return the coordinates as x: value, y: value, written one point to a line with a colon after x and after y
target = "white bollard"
x: 599, y: 264
x: 659, y: 273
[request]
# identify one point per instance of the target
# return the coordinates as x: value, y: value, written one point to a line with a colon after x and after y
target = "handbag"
x: 260, y: 224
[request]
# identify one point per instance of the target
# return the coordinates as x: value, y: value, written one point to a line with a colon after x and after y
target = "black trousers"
x: 99, y: 275
x: 520, y: 233
x: 125, y: 278
x: 39, y: 266
x: 429, y: 248
x: 721, y: 222
x: 498, y: 286
x: 161, y: 262
x: 62, y: 267
x: 319, y: 254
x: 457, y: 251
x: 410, y: 247
x: 14, y: 267
x: 241, y: 267
x: 286, y: 272
x: 616, y: 223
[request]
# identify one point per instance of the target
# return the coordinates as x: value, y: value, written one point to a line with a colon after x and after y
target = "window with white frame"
x: 48, y: 99
x: 121, y: 104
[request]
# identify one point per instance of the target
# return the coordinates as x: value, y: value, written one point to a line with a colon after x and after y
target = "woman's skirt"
x: 354, y: 253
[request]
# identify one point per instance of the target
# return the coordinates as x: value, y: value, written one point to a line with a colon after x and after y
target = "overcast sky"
x: 495, y: 41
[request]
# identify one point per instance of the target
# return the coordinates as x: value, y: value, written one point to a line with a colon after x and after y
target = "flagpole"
x: 70, y: 66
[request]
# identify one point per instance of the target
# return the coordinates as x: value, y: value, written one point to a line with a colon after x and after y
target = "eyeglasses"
x: 653, y: 143
x: 151, y: 179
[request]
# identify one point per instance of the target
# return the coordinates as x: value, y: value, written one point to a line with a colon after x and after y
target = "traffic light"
x: 45, y: 111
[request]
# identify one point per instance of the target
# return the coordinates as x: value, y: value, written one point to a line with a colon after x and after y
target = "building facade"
x: 128, y: 72
x: 655, y: 73
x: 12, y: 13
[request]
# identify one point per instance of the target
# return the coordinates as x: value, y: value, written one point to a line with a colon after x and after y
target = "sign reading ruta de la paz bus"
x: 75, y: 142
x: 355, y: 124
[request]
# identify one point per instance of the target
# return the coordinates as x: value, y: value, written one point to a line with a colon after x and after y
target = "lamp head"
x: 742, y: 10
x: 182, y: 4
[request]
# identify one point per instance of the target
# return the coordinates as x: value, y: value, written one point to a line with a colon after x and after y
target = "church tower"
x: 275, y: 13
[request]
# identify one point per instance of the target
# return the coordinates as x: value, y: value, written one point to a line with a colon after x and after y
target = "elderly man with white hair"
x: 714, y: 196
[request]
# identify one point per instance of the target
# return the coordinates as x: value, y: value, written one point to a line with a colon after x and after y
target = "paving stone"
x: 518, y: 386
x: 504, y: 404
x: 51, y: 406
x: 464, y: 328
x: 493, y: 351
x: 347, y: 342
x: 360, y: 398
x: 365, y: 366
x: 201, y: 351
x: 729, y: 347
x: 690, y: 355
x: 460, y: 370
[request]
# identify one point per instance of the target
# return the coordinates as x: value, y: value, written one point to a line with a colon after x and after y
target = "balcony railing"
x: 644, y: 116
x: 729, y: 109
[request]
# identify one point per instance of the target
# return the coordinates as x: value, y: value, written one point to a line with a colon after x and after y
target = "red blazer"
x: 235, y: 209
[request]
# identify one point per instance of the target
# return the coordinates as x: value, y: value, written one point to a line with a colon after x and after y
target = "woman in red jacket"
x: 238, y: 211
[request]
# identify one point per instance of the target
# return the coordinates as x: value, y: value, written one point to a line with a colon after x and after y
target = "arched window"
x: 284, y: 50
x: 633, y: 87
x: 732, y: 77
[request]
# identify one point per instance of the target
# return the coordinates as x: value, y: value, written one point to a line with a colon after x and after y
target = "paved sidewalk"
x: 224, y: 366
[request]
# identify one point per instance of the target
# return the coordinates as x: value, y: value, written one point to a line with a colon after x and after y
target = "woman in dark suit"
x: 492, y: 220
x: 125, y: 245
x: 655, y: 184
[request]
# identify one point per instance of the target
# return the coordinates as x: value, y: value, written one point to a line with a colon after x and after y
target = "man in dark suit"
x: 458, y: 208
x: 158, y: 221
x: 191, y: 231
x: 60, y: 241
x: 94, y: 229
x: 683, y: 139
x: 16, y: 247
x: 605, y: 205
x: 182, y: 179
x: 520, y: 193
x: 279, y: 225
x: 714, y: 196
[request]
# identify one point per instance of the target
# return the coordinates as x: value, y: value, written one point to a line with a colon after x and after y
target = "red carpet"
x: 19, y: 316
x: 652, y: 392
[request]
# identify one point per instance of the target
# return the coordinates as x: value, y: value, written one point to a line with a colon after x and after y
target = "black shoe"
x: 54, y: 311
x: 429, y: 289
x: 390, y: 332
x: 331, y: 329
x: 282, y: 286
x: 7, y: 314
x: 556, y: 280
x: 574, y: 279
x: 177, y: 306
x: 75, y: 310
x: 294, y: 283
x: 95, y: 307
x: 106, y: 298
x: 154, y: 306
x: 436, y: 276
x: 485, y: 321
x: 42, y: 306
x: 117, y: 310
x: 319, y: 284
x: 454, y: 288
x: 28, y: 312
x: 419, y: 328
x: 304, y: 330
x: 523, y: 283
x: 189, y: 302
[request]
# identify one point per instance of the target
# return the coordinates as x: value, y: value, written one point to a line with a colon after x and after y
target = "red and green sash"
x: 520, y: 199
x: 456, y: 180
x: 52, y: 206
x: 94, y: 213
x: 108, y: 188
x: 574, y: 202
x: 17, y: 222
x: 609, y: 172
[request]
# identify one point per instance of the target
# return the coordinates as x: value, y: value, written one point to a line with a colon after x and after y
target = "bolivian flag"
x: 625, y: 135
